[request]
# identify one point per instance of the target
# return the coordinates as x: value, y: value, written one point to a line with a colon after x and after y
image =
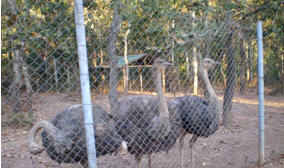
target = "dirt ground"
x: 236, y: 147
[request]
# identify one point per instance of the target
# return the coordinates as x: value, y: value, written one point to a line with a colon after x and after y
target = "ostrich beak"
x: 123, y: 149
x: 214, y: 62
x: 167, y: 63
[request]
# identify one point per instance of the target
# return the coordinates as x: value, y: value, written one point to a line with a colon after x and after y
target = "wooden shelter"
x: 138, y: 61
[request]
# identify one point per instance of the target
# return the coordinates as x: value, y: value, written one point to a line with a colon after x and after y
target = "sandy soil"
x: 236, y: 147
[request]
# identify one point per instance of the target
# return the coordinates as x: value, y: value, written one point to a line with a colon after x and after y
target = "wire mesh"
x: 162, y: 75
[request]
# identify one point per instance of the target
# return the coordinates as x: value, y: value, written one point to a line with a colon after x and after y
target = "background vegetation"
x: 43, y: 34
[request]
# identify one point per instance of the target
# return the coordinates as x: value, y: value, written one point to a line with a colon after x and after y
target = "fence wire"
x: 163, y: 75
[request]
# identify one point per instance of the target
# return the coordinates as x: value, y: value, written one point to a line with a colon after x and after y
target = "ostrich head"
x: 209, y: 63
x: 57, y: 138
x: 161, y: 64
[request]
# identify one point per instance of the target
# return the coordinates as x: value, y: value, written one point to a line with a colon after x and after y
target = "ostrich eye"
x: 209, y: 61
x: 159, y: 61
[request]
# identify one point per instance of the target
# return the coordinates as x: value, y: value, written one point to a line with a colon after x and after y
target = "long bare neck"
x: 213, y: 99
x: 163, y: 107
x: 34, y: 147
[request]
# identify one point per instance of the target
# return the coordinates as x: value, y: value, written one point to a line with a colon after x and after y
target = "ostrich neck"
x: 213, y: 99
x: 50, y: 128
x: 163, y: 107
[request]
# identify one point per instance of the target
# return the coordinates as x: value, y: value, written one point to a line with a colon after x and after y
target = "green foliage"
x: 45, y: 30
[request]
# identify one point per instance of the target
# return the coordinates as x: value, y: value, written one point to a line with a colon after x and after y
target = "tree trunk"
x: 163, y: 80
x: 12, y: 6
x: 279, y: 90
x: 76, y: 77
x: 29, y: 89
x: 101, y: 57
x: 250, y: 56
x: 243, y: 81
x: 126, y: 69
x: 141, y: 79
x: 174, y: 79
x: 46, y: 74
x: 14, y: 90
x: 68, y: 77
x: 223, y: 75
x: 189, y: 74
x: 55, y: 73
x: 103, y: 77
x: 195, y: 71
x: 231, y: 81
x: 173, y: 43
x: 111, y: 52
x: 100, y: 42
x: 195, y: 65
x: 187, y: 63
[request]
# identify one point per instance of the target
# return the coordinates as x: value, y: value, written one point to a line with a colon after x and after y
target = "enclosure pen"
x: 260, y: 92
x: 85, y: 84
x: 142, y: 84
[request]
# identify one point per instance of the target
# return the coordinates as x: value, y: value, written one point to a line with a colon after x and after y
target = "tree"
x: 112, y: 54
x: 230, y: 78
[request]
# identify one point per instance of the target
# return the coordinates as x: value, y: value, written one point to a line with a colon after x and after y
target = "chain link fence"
x: 162, y: 75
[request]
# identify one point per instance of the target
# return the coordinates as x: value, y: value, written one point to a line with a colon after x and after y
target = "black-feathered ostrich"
x: 63, y: 138
x: 148, y: 124
x: 199, y: 116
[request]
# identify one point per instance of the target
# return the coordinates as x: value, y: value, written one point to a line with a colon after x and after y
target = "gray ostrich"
x: 63, y: 138
x: 199, y: 116
x: 148, y: 124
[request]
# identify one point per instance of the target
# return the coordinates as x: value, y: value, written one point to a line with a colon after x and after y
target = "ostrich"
x: 64, y: 137
x: 199, y: 116
x: 148, y: 124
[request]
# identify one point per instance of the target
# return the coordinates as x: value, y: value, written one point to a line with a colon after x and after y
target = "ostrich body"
x: 199, y: 116
x: 63, y: 138
x: 148, y: 124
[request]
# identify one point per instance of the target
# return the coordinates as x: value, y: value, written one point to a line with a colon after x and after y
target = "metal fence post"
x: 260, y: 92
x: 85, y: 85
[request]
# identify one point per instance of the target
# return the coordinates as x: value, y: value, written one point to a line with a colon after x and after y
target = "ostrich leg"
x: 84, y: 163
x: 181, y: 144
x: 191, y: 143
x: 150, y: 160
x: 138, y: 159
